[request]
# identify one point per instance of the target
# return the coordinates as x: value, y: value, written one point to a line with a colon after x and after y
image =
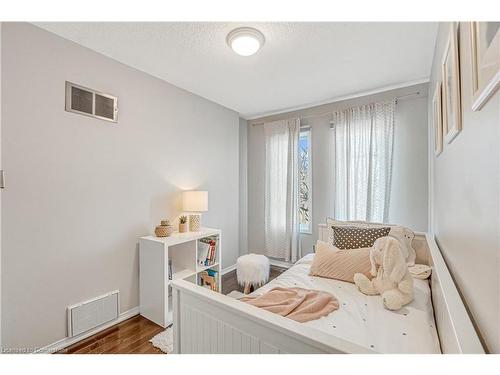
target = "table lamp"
x: 195, y: 202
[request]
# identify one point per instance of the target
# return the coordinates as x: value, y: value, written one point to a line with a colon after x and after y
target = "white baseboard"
x: 228, y: 269
x: 67, y: 341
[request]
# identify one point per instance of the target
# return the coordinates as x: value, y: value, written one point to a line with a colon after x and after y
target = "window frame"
x: 308, y: 130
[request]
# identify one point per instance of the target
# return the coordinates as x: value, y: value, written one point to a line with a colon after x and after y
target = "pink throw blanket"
x: 298, y: 304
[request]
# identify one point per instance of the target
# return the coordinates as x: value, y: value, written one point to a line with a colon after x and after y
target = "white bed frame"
x: 209, y: 322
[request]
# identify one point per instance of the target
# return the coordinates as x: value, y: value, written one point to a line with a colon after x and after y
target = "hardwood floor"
x: 128, y: 337
x: 132, y: 336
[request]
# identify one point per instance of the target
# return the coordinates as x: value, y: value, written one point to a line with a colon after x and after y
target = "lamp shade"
x: 195, y: 201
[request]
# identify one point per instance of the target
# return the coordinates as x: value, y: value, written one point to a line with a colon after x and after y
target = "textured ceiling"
x: 300, y: 63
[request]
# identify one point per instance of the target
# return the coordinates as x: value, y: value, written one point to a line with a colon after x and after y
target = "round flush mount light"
x: 245, y: 41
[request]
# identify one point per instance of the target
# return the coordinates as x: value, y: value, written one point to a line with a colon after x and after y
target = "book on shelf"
x: 208, y: 253
x: 203, y: 250
x: 208, y: 239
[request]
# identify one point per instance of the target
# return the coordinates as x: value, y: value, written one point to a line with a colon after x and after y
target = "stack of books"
x: 208, y: 253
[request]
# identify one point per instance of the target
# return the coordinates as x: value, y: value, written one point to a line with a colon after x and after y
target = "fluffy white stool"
x: 252, y: 270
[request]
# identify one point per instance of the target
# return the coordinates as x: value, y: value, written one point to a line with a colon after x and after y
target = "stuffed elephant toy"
x: 391, y: 277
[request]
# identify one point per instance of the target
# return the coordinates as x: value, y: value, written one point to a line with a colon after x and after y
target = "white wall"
x: 243, y: 187
x: 409, y: 185
x: 409, y: 178
x: 465, y: 190
x: 81, y: 191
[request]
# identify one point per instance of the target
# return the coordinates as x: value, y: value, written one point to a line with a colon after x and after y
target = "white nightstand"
x: 186, y: 252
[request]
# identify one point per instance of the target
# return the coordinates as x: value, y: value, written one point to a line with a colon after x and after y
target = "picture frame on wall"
x: 437, y: 119
x: 451, y: 106
x: 485, y: 55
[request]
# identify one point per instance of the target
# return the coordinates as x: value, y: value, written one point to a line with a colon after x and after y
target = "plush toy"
x: 391, y: 277
x: 406, y: 237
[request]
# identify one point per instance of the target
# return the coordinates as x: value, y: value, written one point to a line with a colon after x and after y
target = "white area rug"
x: 164, y: 340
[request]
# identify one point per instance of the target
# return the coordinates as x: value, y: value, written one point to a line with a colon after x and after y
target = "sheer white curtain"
x: 281, y: 198
x: 363, y: 146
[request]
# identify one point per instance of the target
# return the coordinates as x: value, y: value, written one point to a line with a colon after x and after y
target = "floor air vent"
x: 92, y: 313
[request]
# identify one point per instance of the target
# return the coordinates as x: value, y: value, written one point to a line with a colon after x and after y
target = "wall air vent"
x: 86, y: 315
x: 92, y: 103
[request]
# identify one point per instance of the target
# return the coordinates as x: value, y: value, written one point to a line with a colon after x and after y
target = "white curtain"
x: 363, y: 146
x: 281, y: 198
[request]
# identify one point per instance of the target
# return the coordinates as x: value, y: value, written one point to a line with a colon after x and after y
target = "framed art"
x: 437, y: 120
x: 452, y: 121
x: 485, y: 53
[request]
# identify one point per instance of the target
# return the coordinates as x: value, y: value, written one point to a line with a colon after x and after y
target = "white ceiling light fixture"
x: 245, y: 41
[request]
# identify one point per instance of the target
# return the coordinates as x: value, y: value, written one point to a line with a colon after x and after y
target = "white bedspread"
x: 362, y: 319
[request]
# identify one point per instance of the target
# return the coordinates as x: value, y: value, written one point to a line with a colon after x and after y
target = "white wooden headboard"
x: 455, y: 329
x: 323, y: 232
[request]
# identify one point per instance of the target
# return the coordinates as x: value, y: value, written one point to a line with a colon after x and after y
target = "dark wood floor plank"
x: 109, y: 332
x: 146, y: 348
x: 135, y: 345
x: 113, y: 345
x: 114, y: 338
x: 134, y: 341
x: 121, y: 330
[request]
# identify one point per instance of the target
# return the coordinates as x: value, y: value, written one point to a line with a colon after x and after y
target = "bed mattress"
x: 362, y: 319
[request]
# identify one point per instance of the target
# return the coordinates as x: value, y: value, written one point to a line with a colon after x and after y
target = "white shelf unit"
x: 182, y: 249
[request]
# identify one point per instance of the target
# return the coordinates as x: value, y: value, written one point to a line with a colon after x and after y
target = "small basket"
x: 161, y: 231
x: 164, y: 230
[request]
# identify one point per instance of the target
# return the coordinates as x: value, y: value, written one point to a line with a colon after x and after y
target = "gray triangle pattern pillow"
x: 356, y: 237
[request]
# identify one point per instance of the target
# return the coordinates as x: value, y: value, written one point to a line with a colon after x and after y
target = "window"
x: 305, y: 186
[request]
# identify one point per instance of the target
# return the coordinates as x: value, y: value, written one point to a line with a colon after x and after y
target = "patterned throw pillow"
x: 356, y: 237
